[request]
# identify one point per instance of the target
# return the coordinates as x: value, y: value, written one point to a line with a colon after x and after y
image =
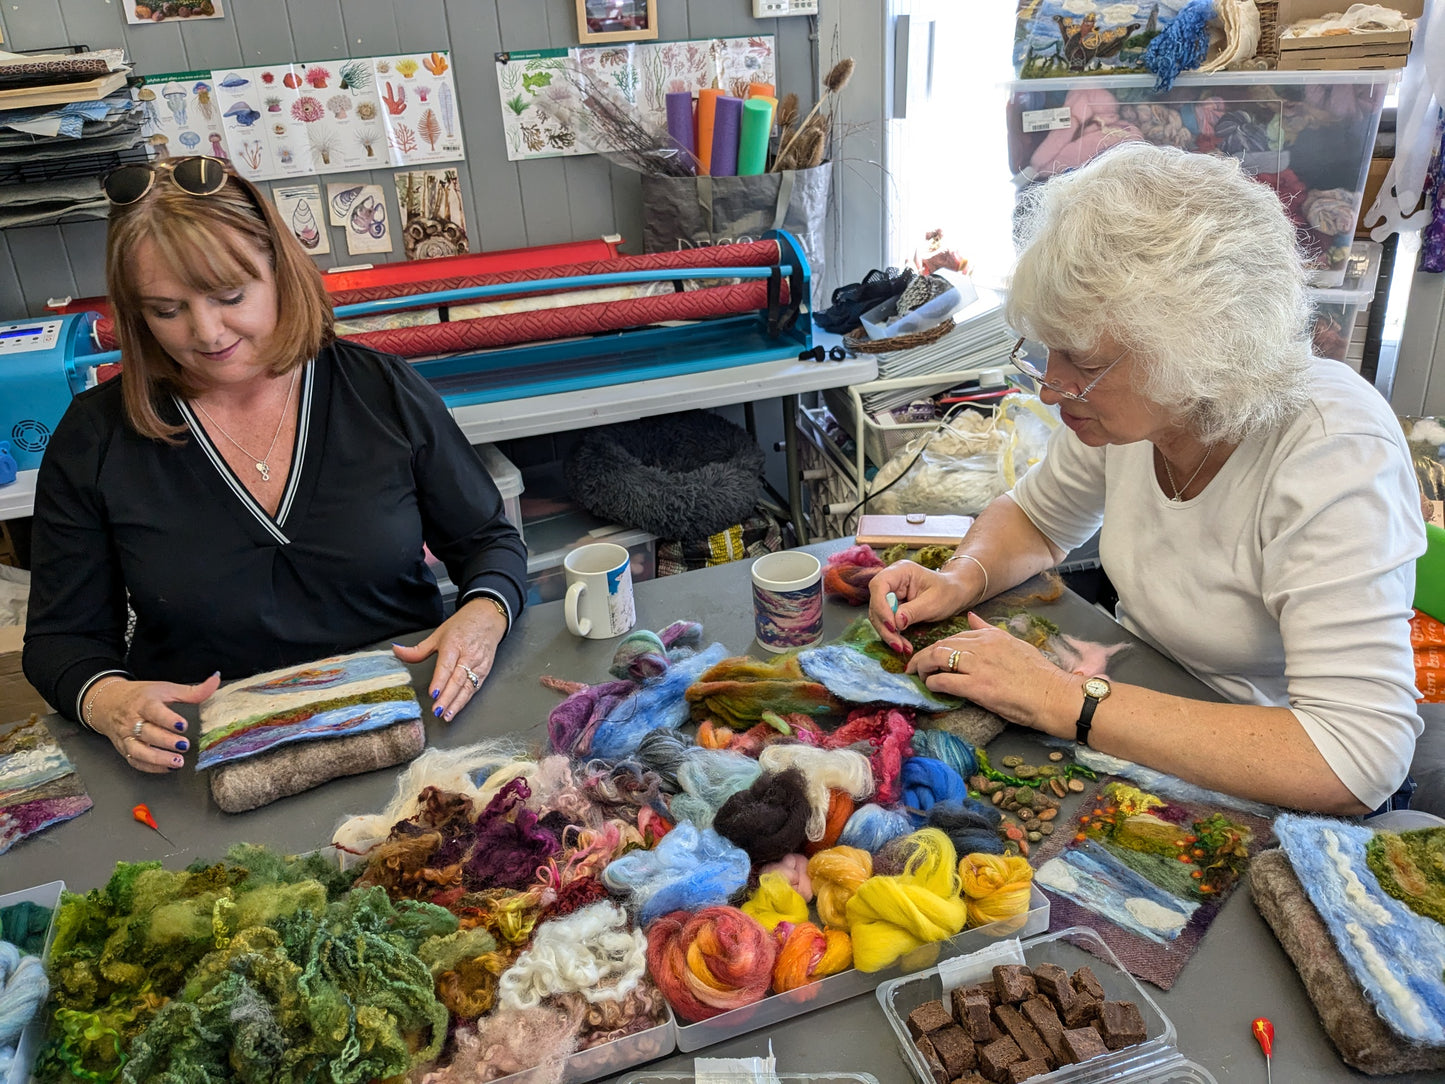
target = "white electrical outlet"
x: 774, y: 9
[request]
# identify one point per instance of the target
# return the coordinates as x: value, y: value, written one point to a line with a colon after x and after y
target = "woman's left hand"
x: 465, y: 645
x: 1002, y: 673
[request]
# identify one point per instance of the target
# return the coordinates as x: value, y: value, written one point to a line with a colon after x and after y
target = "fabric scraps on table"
x: 38, y: 783
x: 341, y: 695
x: 1149, y: 874
x: 1394, y: 951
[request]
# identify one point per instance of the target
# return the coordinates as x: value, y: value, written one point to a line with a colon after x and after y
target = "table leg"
x: 795, y: 470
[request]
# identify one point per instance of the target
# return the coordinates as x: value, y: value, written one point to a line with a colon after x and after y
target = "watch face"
x: 1096, y: 687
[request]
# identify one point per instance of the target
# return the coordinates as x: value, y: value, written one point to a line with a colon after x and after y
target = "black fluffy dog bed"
x: 678, y: 476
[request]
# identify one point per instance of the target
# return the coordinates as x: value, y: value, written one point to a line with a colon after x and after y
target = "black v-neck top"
x: 380, y: 467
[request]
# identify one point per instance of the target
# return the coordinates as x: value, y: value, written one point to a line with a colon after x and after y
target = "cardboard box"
x: 18, y: 698
x: 1292, y: 11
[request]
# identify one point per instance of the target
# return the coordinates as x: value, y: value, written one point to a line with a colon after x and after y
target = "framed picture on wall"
x: 616, y: 20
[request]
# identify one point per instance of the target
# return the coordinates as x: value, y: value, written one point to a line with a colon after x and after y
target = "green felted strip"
x: 303, y: 711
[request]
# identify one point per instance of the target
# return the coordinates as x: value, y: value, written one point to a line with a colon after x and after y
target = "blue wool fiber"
x: 926, y: 782
x: 662, y: 751
x: 658, y: 703
x: 971, y: 824
x: 853, y: 676
x: 949, y: 748
x: 640, y: 655
x: 1396, y: 955
x: 872, y: 826
x: 23, y: 989
x: 688, y: 870
x: 1180, y: 46
x: 708, y: 778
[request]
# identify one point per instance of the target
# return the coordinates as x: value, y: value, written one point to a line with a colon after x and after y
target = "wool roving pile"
x: 23, y: 990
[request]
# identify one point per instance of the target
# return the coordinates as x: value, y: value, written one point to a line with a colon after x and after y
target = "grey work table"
x: 1238, y: 973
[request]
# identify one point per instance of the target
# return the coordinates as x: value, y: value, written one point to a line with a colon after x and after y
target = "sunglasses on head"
x: 199, y: 175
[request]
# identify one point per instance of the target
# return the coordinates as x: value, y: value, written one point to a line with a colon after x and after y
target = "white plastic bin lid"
x: 506, y: 477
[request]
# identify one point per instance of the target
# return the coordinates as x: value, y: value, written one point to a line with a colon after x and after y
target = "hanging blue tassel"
x: 1180, y: 46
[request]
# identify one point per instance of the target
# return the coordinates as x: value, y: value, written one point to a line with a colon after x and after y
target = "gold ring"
x: 471, y: 676
x: 139, y: 726
x: 953, y: 660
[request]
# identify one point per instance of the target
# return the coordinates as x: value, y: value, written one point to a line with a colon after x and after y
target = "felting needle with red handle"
x: 143, y: 814
x: 1264, y: 1035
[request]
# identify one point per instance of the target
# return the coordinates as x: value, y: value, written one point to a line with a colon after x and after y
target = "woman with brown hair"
x: 256, y: 491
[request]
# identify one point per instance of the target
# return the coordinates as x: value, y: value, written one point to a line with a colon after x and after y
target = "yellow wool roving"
x: 889, y: 917
x: 776, y: 900
x: 836, y: 874
x: 995, y: 886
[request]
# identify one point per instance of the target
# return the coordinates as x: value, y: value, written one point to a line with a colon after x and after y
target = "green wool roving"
x: 1411, y: 867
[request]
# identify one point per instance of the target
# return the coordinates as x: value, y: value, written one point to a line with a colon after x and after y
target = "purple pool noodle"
x: 726, y: 127
x: 680, y: 123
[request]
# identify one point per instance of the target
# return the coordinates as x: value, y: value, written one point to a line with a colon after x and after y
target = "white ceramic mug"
x: 787, y: 600
x: 599, y: 604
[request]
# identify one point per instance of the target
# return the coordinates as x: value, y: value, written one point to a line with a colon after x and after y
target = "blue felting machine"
x: 46, y: 361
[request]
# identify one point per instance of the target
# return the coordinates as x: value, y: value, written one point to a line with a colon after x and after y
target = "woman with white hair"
x: 1259, y: 514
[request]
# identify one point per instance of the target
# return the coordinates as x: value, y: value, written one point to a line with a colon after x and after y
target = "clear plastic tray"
x: 829, y: 991
x: 607, y: 1059
x: 1155, y: 1060
x: 47, y: 895
x: 782, y: 1078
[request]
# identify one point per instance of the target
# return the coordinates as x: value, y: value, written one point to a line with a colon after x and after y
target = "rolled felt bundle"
x: 708, y: 778
x: 710, y: 962
x: 823, y: 770
x: 836, y: 874
x: 727, y: 127
x: 689, y: 869
x: 770, y: 818
x: 807, y: 954
x: 872, y: 826
x: 889, y: 731
x: 794, y: 869
x: 776, y: 901
x: 891, y: 916
x: 995, y: 886
x: 592, y: 952
x: 840, y: 808
x: 926, y: 782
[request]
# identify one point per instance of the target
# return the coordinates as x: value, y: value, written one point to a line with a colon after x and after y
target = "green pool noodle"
x: 753, y: 142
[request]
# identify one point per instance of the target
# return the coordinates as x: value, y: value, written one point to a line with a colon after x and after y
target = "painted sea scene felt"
x: 38, y: 784
x: 335, y: 697
x: 1056, y: 38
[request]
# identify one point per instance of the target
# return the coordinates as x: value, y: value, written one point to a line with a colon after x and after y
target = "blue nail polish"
x: 435, y: 693
x: 437, y: 711
x: 178, y: 762
x: 395, y: 644
x: 180, y: 726
x: 183, y: 745
x: 447, y: 716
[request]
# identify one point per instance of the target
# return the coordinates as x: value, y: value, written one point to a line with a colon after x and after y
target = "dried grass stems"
x: 584, y: 104
x: 807, y: 145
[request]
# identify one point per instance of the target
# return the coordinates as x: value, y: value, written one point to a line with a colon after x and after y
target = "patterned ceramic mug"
x: 787, y: 600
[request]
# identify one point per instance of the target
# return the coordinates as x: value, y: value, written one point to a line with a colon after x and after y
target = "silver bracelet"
x: 87, y: 712
x: 975, y: 560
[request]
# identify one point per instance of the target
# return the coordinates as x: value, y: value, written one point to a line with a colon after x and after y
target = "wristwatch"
x: 1095, y: 689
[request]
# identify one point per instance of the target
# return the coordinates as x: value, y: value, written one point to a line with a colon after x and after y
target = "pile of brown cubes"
x: 1026, y: 1022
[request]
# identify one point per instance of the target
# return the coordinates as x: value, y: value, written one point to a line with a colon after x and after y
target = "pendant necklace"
x: 1179, y: 490
x: 263, y: 465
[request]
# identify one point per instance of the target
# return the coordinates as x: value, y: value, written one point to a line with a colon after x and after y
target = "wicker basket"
x: 859, y: 343
x: 1268, y: 31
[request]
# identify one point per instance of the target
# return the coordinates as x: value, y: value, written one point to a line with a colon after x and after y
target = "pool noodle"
x: 761, y: 90
x: 680, y: 122
x: 757, y: 128
x: 706, y: 115
x: 727, y: 126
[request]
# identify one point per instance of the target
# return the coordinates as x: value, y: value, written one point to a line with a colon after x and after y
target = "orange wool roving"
x: 807, y: 954
x: 710, y: 962
x: 995, y: 886
x: 836, y: 874
x: 840, y: 808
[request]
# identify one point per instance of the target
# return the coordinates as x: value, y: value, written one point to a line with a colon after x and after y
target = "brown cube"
x: 971, y: 1077
x: 931, y: 1059
x: 1086, y: 982
x: 955, y: 1049
x: 1041, y: 1016
x: 1014, y: 983
x: 1120, y: 1024
x: 1020, y: 1071
x: 977, y: 1019
x: 1050, y: 979
x: 1083, y: 1044
x: 928, y: 1017
x: 995, y: 1058
x: 1080, y: 1012
x: 1021, y: 1032
x: 983, y: 989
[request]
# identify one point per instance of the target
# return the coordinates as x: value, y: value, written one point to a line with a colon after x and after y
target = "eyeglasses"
x: 1024, y: 365
x: 199, y: 175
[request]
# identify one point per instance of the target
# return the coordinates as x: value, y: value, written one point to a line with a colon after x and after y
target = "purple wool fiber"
x: 681, y: 634
x: 727, y: 125
x: 508, y: 852
x: 770, y: 818
x: 572, y: 718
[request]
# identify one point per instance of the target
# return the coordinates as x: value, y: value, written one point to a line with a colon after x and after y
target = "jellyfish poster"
x: 161, y: 11
x: 181, y: 114
x: 301, y: 209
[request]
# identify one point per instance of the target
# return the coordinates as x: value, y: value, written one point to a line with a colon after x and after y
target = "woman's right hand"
x: 923, y: 595
x: 137, y: 718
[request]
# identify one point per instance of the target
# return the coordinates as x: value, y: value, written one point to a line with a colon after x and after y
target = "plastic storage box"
x: 776, y: 1008
x: 508, y: 480
x: 607, y: 1059
x: 1156, y: 1059
x: 1337, y: 308
x: 47, y: 895
x: 1307, y: 134
x: 547, y: 579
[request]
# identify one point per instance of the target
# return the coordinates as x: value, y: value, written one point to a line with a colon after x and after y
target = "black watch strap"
x: 1086, y: 719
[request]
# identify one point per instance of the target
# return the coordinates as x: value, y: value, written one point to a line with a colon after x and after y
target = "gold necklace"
x: 1179, y: 490
x: 263, y: 464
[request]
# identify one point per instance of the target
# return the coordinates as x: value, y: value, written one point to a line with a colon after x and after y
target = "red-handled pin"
x: 143, y: 814
x: 1264, y: 1035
